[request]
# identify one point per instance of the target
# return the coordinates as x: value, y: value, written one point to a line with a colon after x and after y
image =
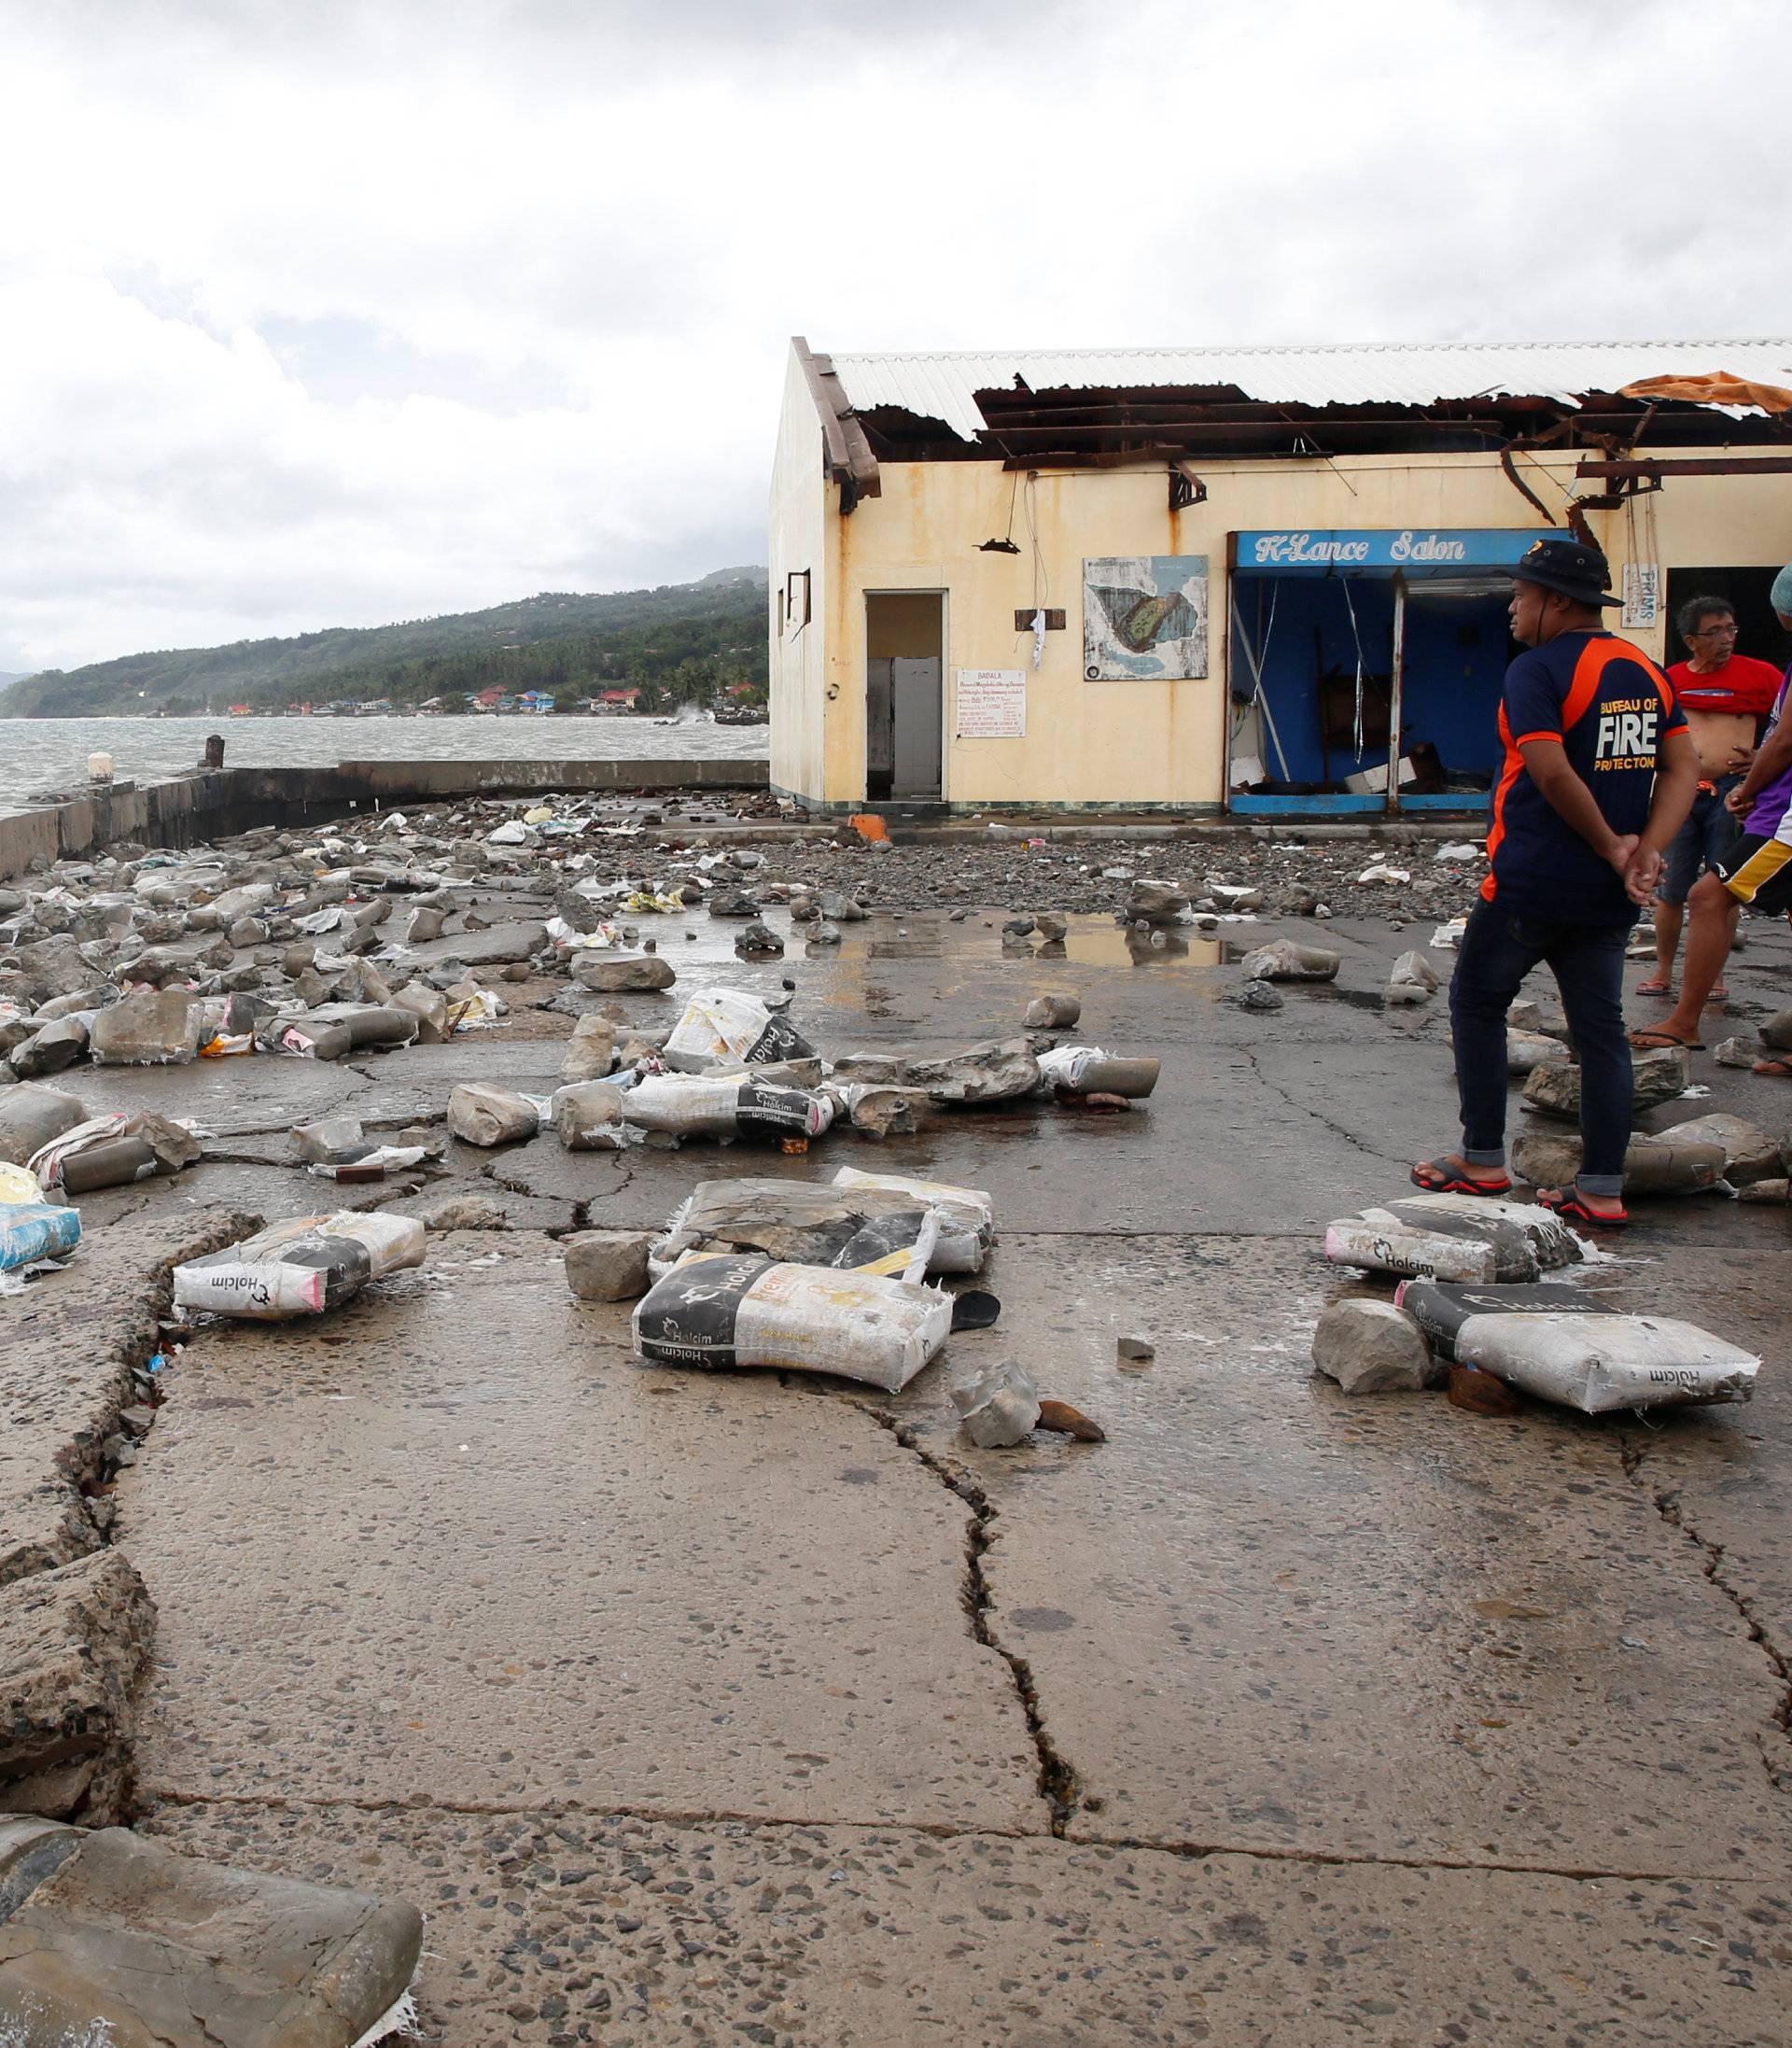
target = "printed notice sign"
x: 1642, y: 593
x: 992, y: 704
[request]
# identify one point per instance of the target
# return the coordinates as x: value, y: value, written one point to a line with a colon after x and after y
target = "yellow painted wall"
x: 1146, y: 742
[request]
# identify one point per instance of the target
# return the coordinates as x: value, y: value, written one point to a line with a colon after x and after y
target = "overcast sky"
x: 316, y: 314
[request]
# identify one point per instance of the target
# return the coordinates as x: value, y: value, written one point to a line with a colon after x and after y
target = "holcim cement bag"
x: 967, y: 1216
x: 700, y: 1105
x: 1080, y: 1069
x: 722, y: 1024
x: 1453, y: 1237
x: 1564, y: 1347
x: 299, y: 1267
x: 719, y: 1311
x: 801, y: 1223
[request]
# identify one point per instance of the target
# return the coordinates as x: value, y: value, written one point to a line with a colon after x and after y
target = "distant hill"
x: 681, y: 640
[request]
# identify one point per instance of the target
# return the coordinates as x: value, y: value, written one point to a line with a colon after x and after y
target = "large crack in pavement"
x: 1667, y: 1504
x: 1058, y: 1782
x: 1353, y: 1138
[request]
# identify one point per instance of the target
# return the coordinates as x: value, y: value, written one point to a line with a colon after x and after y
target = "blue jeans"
x: 1498, y: 950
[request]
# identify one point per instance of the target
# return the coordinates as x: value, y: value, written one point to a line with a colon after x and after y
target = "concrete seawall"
x: 209, y: 803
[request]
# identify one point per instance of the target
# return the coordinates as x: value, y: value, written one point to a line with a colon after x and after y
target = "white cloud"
x: 330, y: 314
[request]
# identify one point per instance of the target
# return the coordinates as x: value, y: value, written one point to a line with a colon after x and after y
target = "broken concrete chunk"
x: 1749, y: 1154
x: 58, y: 1044
x: 1056, y: 1010
x: 431, y: 1008
x: 1284, y: 961
x: 1658, y: 1076
x: 886, y: 1112
x: 998, y: 1404
x: 110, y: 1937
x: 1156, y: 903
x: 838, y: 909
x: 1413, y: 979
x: 487, y: 1115
x: 1735, y: 1052
x: 1551, y: 1159
x: 1258, y: 995
x: 591, y: 1051
x: 608, y: 1265
x: 1371, y: 1347
x: 1777, y: 1030
x: 72, y: 1643
x: 589, y: 1116
x: 1526, y: 1051
x: 990, y: 1073
x: 31, y: 1117
x: 1134, y: 1351
x: 154, y: 1027
x: 615, y: 972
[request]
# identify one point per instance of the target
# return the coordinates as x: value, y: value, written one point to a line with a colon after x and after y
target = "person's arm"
x: 1676, y: 783
x: 1772, y: 760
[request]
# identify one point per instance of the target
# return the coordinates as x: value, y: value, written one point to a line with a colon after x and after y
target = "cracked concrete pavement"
x: 738, y: 1707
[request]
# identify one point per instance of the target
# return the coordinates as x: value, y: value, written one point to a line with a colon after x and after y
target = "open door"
x: 905, y: 695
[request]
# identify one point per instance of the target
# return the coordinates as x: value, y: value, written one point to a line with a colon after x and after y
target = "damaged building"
x: 1243, y: 579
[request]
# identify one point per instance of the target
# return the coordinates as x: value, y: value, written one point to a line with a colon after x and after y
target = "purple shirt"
x: 1767, y: 818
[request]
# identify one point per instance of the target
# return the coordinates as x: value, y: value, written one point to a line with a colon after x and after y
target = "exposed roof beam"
x: 849, y: 459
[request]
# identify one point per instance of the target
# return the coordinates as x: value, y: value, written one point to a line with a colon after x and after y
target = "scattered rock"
x: 1749, y: 1154
x: 998, y: 1404
x: 608, y: 1265
x: 1658, y: 1076
x: 1735, y: 1052
x: 1282, y: 959
x: 31, y: 1117
x: 618, y: 972
x: 1134, y: 1351
x: 1413, y: 979
x: 1258, y: 995
x: 1056, y: 1010
x: 486, y: 1116
x: 1372, y: 1347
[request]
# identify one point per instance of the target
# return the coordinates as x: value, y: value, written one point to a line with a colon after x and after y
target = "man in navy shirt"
x: 1599, y: 773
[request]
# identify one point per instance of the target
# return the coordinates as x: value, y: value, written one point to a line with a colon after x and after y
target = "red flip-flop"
x: 1449, y: 1182
x: 1569, y: 1205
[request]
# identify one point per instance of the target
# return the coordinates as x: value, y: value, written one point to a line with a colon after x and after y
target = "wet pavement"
x: 754, y: 1707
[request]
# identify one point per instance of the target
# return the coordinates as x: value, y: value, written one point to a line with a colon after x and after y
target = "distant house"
x: 621, y: 700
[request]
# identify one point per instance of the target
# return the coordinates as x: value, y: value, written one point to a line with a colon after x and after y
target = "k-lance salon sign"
x: 1404, y: 547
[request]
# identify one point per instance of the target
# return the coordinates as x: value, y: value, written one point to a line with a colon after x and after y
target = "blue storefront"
x: 1341, y: 642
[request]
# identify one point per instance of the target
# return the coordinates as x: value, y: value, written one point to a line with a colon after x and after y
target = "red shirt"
x: 1742, y: 684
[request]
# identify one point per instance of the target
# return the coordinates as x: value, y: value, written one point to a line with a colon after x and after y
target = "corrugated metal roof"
x: 939, y: 386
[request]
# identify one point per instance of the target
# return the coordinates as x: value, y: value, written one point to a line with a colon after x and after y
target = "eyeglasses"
x: 1715, y: 632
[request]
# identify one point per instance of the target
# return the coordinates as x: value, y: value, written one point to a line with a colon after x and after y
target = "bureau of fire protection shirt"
x: 1608, y: 706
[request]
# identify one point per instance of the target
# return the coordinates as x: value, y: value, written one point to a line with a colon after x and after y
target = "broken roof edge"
x: 943, y: 384
x: 849, y: 459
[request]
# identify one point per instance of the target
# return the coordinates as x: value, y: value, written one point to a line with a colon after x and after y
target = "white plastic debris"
x: 723, y: 1025
x: 967, y: 1216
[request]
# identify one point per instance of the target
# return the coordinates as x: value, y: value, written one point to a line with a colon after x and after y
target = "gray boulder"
x: 1660, y: 1075
x: 608, y: 1265
x: 616, y: 973
x: 1372, y: 1347
x: 1282, y: 959
x: 998, y: 1404
x: 31, y: 1117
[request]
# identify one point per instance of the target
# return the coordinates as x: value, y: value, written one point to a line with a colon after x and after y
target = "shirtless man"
x: 1724, y: 695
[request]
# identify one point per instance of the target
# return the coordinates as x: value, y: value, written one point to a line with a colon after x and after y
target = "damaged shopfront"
x: 1342, y: 642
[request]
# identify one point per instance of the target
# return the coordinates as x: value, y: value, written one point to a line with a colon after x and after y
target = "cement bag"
x: 31, y: 1230
x: 701, y: 1106
x: 967, y: 1216
x: 722, y: 1024
x: 798, y: 1223
x: 1087, y: 1070
x: 743, y: 1311
x: 112, y: 1150
x: 1585, y: 1356
x: 1453, y: 1237
x: 299, y: 1267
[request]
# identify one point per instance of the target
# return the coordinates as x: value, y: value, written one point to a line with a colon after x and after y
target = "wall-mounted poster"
x: 1145, y: 616
x: 992, y: 704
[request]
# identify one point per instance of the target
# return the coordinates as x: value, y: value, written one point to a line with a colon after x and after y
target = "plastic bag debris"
x: 1565, y: 1347
x: 744, y: 1311
x: 1453, y: 1237
x: 721, y: 1024
x: 302, y: 1267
